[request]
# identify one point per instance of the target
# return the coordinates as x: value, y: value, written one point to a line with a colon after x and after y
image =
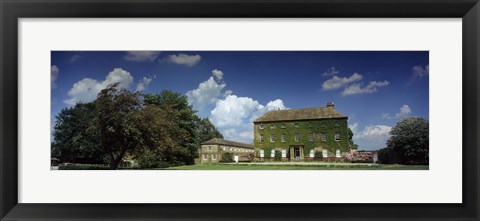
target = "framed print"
x: 239, y: 110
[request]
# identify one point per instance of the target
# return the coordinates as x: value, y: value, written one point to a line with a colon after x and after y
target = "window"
x: 284, y: 153
x: 283, y: 137
x: 261, y: 126
x: 272, y: 154
x: 224, y: 148
x: 325, y: 153
x: 261, y: 153
x: 310, y: 136
x: 312, y: 153
x: 295, y: 124
x: 272, y: 126
x: 337, y: 153
x: 214, y: 156
x: 209, y: 148
x: 324, y: 136
x: 297, y: 136
x: 205, y: 156
x: 272, y: 138
x: 231, y: 149
x: 283, y: 125
x: 337, y: 136
x: 261, y: 137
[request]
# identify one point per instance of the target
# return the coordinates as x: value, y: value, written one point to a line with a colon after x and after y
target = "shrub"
x: 278, y: 155
x: 83, y: 167
x: 226, y: 158
x: 150, y: 160
x: 318, y: 155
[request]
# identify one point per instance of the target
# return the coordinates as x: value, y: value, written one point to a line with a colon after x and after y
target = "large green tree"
x: 177, y: 105
x: 118, y: 122
x: 410, y: 139
x: 160, y: 138
x: 75, y: 138
x: 206, y: 131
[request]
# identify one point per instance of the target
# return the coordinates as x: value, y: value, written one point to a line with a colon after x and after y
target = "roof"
x: 227, y: 143
x: 301, y: 114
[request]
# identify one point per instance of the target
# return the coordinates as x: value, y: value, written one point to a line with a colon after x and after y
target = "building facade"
x: 214, y: 150
x: 302, y: 134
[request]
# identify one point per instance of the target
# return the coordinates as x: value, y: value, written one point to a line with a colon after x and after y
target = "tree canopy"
x: 409, y: 138
x: 75, y: 140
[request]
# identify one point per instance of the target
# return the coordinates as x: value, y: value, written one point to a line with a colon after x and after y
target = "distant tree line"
x: 408, y: 144
x: 157, y: 131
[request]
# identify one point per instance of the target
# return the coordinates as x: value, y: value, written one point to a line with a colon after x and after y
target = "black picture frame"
x: 12, y: 10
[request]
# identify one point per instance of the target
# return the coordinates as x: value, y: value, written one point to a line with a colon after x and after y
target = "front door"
x: 296, y: 152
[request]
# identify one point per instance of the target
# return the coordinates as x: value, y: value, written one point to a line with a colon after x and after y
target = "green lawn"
x: 271, y: 166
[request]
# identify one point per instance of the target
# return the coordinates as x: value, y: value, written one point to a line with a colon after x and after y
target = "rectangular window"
x: 297, y: 136
x: 324, y: 153
x: 224, y: 148
x: 337, y: 153
x: 261, y: 137
x: 312, y: 153
x: 324, y: 136
x: 310, y: 136
x: 272, y: 153
x: 261, y: 153
x: 283, y: 125
x: 283, y: 137
x: 337, y: 136
x: 272, y: 126
x: 214, y: 156
x: 261, y: 126
x: 272, y: 138
x: 209, y: 148
x: 205, y: 156
x: 284, y: 153
x: 295, y: 124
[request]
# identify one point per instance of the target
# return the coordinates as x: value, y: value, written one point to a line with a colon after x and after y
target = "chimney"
x: 330, y: 105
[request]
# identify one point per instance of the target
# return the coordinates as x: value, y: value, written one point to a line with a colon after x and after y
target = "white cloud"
x: 86, y: 90
x: 231, y: 114
x: 207, y: 92
x: 227, y: 92
x: 370, y: 88
x: 184, y: 59
x: 142, y: 84
x: 386, y: 116
x: 371, y: 137
x: 218, y: 74
x: 141, y: 56
x: 74, y: 58
x: 243, y: 136
x: 235, y: 113
x: 330, y: 72
x: 53, y: 75
x: 405, y: 110
x: 419, y: 71
x: 337, y: 82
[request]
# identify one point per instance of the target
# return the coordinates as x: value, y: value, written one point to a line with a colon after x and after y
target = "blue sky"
x: 232, y: 88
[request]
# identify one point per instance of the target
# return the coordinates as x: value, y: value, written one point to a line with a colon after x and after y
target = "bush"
x: 278, y: 155
x: 150, y: 160
x: 83, y: 167
x: 318, y: 155
x: 226, y: 158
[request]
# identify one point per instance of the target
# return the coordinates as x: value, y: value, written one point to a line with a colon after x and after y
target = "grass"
x: 324, y: 166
